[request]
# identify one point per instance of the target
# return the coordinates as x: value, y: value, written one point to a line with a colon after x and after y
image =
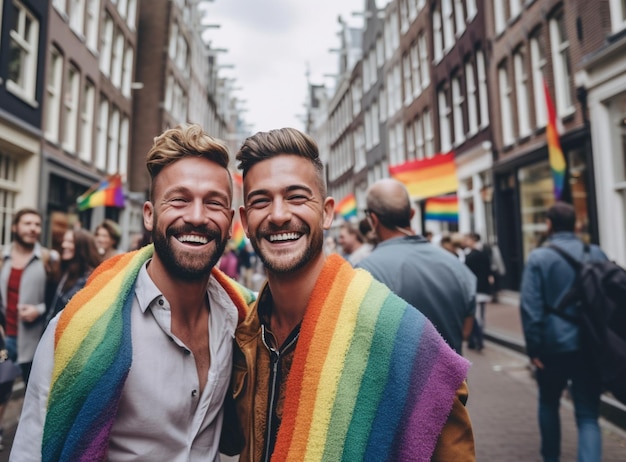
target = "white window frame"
x: 375, y: 124
x: 106, y: 47
x: 29, y: 46
x: 447, y: 14
x: 521, y: 94
x: 124, y: 142
x: 429, y: 134
x: 459, y: 17
x: 410, y: 141
x: 54, y: 82
x: 618, y: 15
x: 87, y: 116
x: 71, y: 99
x: 61, y: 6
x: 515, y: 8
x: 499, y: 16
x: 103, y: 133
x: 77, y: 16
x: 416, y: 73
x: 537, y: 63
x: 562, y: 67
x: 407, y: 79
x: 113, y: 140
x: 445, y: 129
x: 506, y: 113
x: 118, y: 59
x: 127, y: 71
x: 420, y: 148
x: 92, y: 24
x: 472, y: 99
x: 122, y: 8
x: 424, y: 62
x: 437, y: 36
x: 131, y: 20
x: 483, y: 94
x: 457, y: 111
x: 472, y: 10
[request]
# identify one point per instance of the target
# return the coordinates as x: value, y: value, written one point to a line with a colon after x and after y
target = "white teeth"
x: 284, y: 237
x: 193, y: 238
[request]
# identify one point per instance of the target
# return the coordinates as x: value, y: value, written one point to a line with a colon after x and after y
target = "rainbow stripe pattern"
x: 93, y: 355
x: 239, y: 236
x: 107, y: 193
x: 371, y: 378
x: 445, y: 208
x: 427, y: 177
x: 555, y: 153
x: 346, y: 207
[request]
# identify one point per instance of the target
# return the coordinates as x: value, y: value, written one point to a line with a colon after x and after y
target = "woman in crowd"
x: 79, y: 257
x: 108, y: 236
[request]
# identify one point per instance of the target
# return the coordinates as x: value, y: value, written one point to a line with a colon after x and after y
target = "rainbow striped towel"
x: 92, y: 357
x: 371, y: 378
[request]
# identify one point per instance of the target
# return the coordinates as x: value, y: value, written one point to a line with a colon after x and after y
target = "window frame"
x: 29, y: 46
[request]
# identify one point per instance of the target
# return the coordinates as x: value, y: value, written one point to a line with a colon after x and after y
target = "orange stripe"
x: 437, y: 171
x: 432, y: 187
x: 300, y: 394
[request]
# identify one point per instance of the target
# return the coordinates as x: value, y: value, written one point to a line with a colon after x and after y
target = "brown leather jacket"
x: 251, y: 365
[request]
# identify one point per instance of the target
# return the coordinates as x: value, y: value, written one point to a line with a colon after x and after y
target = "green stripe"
x: 372, y: 385
x: 352, y: 374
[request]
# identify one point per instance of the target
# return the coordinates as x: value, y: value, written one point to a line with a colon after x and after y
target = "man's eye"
x: 298, y: 198
x: 258, y: 202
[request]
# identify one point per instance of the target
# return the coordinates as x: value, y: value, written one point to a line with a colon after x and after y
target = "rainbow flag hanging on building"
x: 445, y: 208
x: 428, y: 177
x: 239, y: 236
x: 557, y: 159
x: 108, y: 193
x: 346, y: 207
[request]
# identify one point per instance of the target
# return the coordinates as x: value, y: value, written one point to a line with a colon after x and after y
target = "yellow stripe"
x: 333, y: 366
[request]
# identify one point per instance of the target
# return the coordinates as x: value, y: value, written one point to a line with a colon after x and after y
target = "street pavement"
x: 502, y: 402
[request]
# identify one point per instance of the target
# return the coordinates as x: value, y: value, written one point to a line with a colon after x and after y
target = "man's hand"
x: 537, y: 362
x: 27, y: 313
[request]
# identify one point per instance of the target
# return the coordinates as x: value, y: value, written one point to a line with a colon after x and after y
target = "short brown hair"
x: 181, y: 142
x: 265, y: 145
x: 25, y: 211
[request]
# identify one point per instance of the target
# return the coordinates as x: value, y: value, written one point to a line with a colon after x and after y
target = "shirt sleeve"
x: 29, y: 435
x: 456, y: 441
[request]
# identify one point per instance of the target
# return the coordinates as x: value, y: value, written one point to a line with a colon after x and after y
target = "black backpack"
x: 599, y: 291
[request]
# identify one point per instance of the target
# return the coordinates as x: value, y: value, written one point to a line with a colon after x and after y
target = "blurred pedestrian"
x: 477, y: 260
x: 229, y: 262
x: 27, y: 270
x: 108, y: 237
x: 554, y: 344
x: 426, y: 276
x: 353, y: 244
x: 79, y: 257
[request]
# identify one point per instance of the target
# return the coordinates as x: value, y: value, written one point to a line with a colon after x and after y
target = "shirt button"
x: 187, y: 352
x: 161, y: 302
x: 194, y: 393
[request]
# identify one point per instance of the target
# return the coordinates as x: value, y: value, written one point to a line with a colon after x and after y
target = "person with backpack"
x: 554, y: 343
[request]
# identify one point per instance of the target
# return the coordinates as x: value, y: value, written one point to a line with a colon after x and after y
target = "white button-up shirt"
x: 162, y: 415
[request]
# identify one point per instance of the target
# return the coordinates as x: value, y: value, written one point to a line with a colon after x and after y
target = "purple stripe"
x: 98, y: 446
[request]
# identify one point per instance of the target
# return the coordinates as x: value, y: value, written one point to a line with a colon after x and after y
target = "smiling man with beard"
x: 137, y: 366
x: 329, y: 364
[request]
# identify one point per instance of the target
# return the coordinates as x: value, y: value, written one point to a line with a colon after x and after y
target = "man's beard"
x: 183, y: 267
x: 311, y: 251
x: 27, y: 245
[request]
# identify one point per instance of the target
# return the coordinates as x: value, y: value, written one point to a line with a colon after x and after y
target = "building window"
x: 9, y: 188
x: 618, y: 15
x: 114, y: 140
x: 499, y: 15
x: 118, y: 60
x: 521, y: 93
x: 407, y: 79
x: 401, y: 156
x: 419, y: 139
x: 380, y: 51
x: 60, y: 5
x: 515, y: 8
x: 459, y: 17
x: 505, y: 105
x: 561, y: 64
x: 375, y: 125
x: 404, y: 16
x: 54, y: 80
x: 23, y: 46
x: 415, y: 70
x: 482, y: 89
x: 472, y: 99
x: 410, y: 141
x: 437, y: 36
x: 127, y: 72
x: 424, y: 68
x: 448, y: 24
x: 122, y: 6
x: 537, y: 63
x: 457, y: 115
x: 70, y: 102
x: 445, y: 135
x: 471, y: 9
x: 77, y: 16
x: 87, y: 118
x: 124, y: 127
x: 132, y: 14
x: 106, y: 48
x: 92, y: 23
x: 103, y: 129
x: 429, y: 136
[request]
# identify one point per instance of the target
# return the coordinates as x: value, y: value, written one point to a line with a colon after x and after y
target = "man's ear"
x: 244, y: 219
x: 328, y: 212
x: 148, y: 215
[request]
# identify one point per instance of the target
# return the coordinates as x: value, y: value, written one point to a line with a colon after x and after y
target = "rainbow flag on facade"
x: 346, y: 207
x: 557, y: 160
x: 427, y: 177
x: 239, y: 236
x: 445, y: 208
x: 108, y: 193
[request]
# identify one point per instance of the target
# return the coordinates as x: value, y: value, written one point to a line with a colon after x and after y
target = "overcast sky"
x: 270, y: 43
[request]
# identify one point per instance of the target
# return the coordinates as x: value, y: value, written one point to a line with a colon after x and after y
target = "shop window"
x: 536, y: 196
x: 8, y: 192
